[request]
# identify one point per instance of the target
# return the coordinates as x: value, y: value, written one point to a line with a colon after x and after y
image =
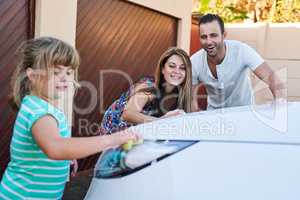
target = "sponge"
x: 129, y: 145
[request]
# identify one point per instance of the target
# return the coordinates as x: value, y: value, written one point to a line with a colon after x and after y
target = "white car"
x: 243, y: 153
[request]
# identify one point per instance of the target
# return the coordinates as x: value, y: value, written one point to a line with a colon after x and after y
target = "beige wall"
x: 180, y: 9
x: 57, y: 18
x: 279, y: 45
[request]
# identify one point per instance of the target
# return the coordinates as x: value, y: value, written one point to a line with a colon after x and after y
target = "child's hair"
x: 40, y: 53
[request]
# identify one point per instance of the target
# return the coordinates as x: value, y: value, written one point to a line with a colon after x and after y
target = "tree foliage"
x: 232, y: 11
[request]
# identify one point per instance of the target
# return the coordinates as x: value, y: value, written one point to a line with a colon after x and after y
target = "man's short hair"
x: 210, y: 18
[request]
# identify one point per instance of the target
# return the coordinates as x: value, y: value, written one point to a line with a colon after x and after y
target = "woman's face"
x: 174, y: 71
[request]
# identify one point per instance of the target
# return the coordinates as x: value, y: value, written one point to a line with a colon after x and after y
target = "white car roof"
x: 269, y: 123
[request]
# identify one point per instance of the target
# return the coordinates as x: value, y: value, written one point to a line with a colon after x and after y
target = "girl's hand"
x: 173, y: 113
x: 125, y: 136
x: 74, y: 167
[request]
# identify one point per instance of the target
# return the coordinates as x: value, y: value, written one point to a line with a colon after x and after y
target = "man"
x: 222, y: 66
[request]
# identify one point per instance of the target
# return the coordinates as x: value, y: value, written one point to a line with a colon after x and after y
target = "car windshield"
x: 119, y: 162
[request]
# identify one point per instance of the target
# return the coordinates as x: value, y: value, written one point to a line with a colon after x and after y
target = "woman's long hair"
x: 183, y: 92
x: 184, y: 100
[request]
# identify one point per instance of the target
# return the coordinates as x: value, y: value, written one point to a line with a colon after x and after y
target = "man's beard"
x: 214, y: 52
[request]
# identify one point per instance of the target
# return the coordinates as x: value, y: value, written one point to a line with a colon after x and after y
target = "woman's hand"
x: 173, y: 113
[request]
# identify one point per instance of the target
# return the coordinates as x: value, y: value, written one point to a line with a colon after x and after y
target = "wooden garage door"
x: 122, y: 37
x: 16, y: 25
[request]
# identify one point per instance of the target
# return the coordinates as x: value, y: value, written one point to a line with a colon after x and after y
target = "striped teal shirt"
x: 30, y: 174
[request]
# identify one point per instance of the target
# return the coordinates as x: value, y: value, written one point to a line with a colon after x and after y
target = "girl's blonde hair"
x: 41, y: 53
x: 184, y: 100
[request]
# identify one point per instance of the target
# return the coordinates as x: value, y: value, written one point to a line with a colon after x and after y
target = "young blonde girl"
x: 41, y: 147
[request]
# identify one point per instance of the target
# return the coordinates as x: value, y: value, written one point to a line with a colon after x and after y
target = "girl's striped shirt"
x: 30, y: 174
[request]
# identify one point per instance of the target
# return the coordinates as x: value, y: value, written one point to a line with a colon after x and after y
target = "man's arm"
x: 265, y: 73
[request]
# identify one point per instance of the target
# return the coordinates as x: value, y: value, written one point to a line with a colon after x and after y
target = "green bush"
x: 236, y: 11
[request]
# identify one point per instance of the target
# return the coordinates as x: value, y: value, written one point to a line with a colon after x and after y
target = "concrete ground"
x: 77, y: 187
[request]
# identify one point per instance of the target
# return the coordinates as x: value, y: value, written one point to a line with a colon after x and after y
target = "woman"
x: 147, y: 100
